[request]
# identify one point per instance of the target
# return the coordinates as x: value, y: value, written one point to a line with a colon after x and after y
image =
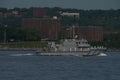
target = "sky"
x: 77, y: 4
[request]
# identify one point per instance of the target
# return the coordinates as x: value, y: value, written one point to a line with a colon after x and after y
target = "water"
x: 24, y: 65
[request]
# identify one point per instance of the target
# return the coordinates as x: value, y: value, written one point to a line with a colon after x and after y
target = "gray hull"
x: 83, y: 53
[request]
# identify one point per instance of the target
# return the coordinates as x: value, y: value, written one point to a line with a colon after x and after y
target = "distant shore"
x: 12, y: 49
x: 112, y: 50
x: 35, y: 49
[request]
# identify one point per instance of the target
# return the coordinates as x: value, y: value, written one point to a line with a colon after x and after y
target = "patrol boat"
x: 71, y: 47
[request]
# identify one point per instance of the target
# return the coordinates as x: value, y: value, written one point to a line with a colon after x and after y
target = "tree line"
x: 108, y: 19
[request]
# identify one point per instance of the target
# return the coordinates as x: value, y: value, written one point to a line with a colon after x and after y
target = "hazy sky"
x: 78, y: 4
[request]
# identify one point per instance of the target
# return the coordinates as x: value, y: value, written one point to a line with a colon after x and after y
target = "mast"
x: 73, y: 30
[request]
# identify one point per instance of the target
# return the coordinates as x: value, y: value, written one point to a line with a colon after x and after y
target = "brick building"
x: 1, y: 15
x: 91, y: 33
x: 49, y: 28
x: 65, y: 32
x: 39, y: 12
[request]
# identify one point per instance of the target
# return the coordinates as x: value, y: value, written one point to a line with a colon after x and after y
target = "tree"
x: 32, y: 34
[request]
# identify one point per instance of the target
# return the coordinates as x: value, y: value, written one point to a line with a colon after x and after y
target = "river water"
x: 24, y: 65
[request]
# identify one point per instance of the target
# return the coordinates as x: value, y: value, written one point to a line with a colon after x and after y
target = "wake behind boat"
x: 71, y: 47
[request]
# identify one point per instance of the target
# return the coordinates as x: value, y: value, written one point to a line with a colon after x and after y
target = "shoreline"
x: 19, y: 49
x: 35, y: 49
x: 113, y: 50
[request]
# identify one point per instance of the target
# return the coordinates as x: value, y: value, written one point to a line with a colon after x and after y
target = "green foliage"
x: 25, y: 44
x: 53, y: 11
x: 108, y: 19
x: 69, y: 20
x: 12, y: 33
x: 112, y: 40
x: 18, y: 34
x: 12, y: 21
x: 3, y: 10
x: 32, y: 34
